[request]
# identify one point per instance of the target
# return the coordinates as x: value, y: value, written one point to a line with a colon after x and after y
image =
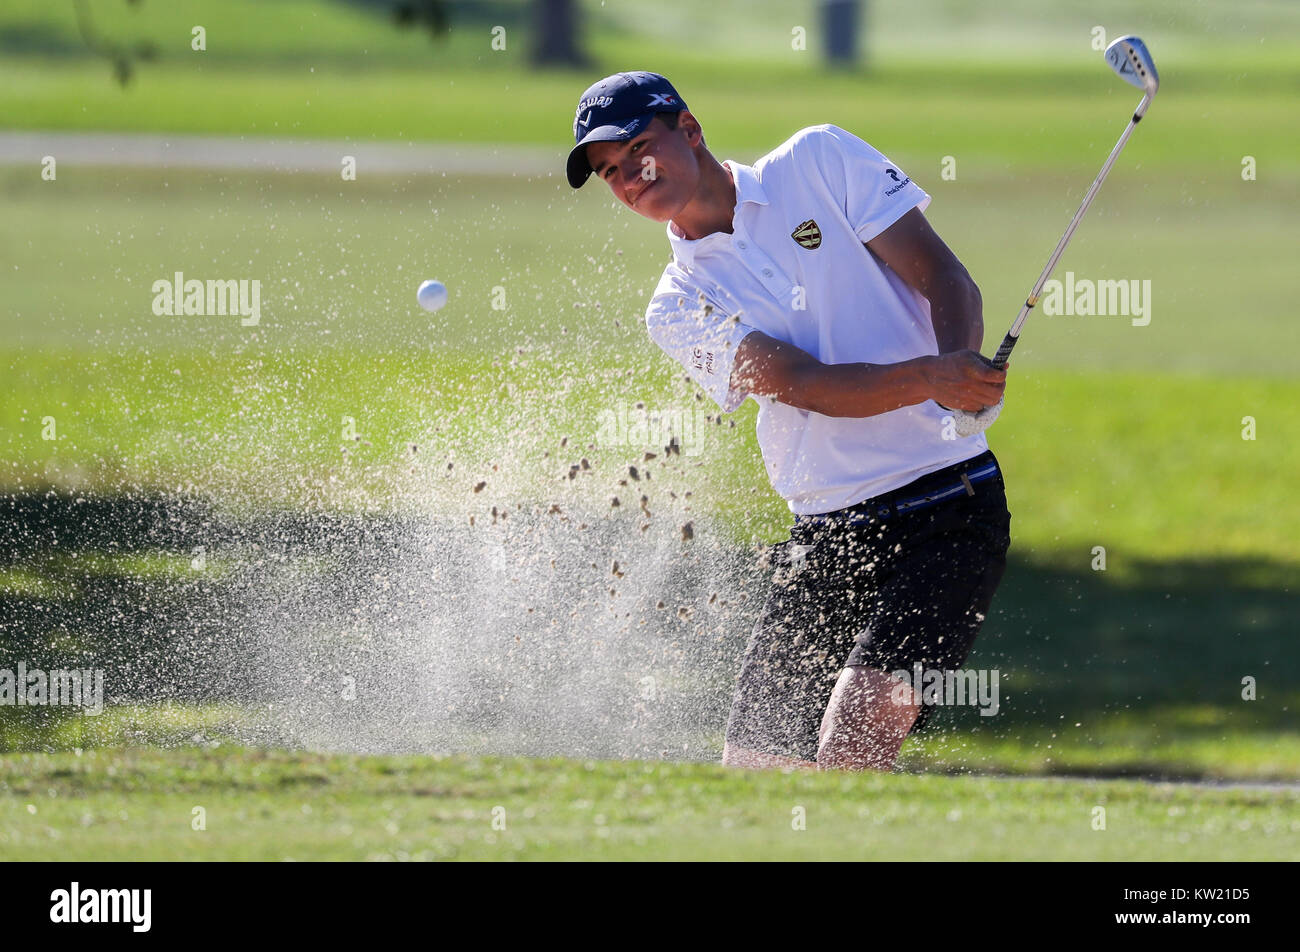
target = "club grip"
x: 1000, y: 358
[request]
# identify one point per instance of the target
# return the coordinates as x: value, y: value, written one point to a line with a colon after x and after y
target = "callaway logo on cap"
x: 616, y: 109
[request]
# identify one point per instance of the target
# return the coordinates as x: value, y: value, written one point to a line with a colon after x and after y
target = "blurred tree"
x: 840, y: 19
x: 430, y: 15
x: 123, y: 56
x: 557, y: 34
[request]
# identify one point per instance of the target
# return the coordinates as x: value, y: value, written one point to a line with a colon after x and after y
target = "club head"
x: 1129, y: 58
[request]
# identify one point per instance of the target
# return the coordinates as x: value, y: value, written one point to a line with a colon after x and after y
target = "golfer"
x: 812, y: 283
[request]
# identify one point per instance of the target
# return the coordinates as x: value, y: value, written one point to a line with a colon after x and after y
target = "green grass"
x: 940, y: 83
x: 1076, y: 111
x: 1132, y: 670
x: 266, y: 805
x: 243, y: 31
x: 1114, y: 435
x: 339, y: 264
x: 1093, y: 459
x: 1196, y: 742
x: 163, y: 724
x: 1117, y: 436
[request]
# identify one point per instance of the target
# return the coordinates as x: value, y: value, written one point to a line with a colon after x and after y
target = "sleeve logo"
x: 702, y: 360
x: 902, y: 183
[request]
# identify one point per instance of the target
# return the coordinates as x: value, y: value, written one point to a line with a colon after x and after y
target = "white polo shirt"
x: 795, y: 267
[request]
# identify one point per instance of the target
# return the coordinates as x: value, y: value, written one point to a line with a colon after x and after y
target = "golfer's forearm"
x: 860, y: 390
x: 957, y: 312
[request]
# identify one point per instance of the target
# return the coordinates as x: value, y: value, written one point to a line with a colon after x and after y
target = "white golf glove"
x: 968, y: 424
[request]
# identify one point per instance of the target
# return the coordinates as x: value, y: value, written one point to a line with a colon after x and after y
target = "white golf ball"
x: 432, y: 295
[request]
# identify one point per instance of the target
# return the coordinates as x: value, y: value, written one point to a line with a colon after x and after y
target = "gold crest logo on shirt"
x: 808, y: 235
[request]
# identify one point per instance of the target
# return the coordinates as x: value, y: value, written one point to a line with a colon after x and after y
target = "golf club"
x: 1129, y: 58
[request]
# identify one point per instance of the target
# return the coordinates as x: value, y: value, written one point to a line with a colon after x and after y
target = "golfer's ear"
x: 691, y: 126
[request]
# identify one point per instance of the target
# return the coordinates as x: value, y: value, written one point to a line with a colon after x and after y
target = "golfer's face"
x: 654, y: 174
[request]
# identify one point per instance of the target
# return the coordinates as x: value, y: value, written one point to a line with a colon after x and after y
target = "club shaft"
x: 1013, y: 335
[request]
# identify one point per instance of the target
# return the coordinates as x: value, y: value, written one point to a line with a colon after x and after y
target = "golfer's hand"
x: 964, y: 380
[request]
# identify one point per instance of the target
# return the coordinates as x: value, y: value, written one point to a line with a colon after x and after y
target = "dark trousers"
x: 904, y: 578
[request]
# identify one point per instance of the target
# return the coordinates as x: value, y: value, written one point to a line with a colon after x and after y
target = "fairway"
x: 339, y: 263
x: 378, y: 583
x: 273, y: 806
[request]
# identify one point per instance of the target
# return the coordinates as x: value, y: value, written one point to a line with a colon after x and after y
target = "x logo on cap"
x: 662, y: 99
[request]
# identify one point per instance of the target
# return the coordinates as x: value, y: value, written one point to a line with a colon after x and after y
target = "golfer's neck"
x: 714, y: 205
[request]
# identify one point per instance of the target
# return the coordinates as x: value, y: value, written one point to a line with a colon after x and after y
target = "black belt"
x: 907, y: 499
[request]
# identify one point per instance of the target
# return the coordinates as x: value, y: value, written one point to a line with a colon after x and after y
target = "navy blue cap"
x: 616, y: 109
